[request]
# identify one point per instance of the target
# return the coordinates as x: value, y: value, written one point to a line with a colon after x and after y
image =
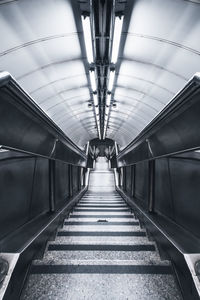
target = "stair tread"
x: 105, y: 262
x: 101, y: 240
x: 101, y: 223
x: 90, y: 212
x: 101, y: 228
x: 109, y: 220
x: 107, y: 286
x: 132, y: 233
x: 58, y: 256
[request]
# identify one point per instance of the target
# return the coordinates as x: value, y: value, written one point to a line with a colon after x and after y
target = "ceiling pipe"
x: 102, y: 22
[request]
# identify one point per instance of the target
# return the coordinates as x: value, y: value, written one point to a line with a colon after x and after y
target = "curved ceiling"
x: 41, y: 49
x: 161, y: 52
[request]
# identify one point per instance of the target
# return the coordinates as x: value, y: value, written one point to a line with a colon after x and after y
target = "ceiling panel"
x: 40, y: 47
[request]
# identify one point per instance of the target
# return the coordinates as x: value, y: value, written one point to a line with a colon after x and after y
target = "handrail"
x: 25, y: 127
x: 174, y: 130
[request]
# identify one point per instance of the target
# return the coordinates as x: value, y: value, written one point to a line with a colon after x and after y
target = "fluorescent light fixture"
x: 97, y: 111
x: 95, y: 99
x: 108, y: 99
x: 104, y: 132
x: 106, y: 118
x: 98, y: 127
x: 88, y: 38
x: 93, y: 80
x: 107, y: 110
x: 116, y: 38
x: 111, y: 80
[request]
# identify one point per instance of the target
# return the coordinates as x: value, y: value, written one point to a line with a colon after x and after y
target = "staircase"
x: 101, y: 253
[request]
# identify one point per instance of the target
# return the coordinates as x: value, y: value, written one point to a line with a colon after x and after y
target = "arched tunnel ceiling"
x: 41, y: 45
x: 161, y: 52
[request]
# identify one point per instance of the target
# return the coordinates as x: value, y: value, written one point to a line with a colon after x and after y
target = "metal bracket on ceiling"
x: 149, y: 147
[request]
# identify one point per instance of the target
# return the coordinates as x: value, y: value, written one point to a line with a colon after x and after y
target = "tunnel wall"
x: 176, y: 189
x: 24, y: 186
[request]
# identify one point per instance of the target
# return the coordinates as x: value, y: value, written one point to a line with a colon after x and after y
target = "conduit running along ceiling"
x: 39, y: 46
x: 161, y: 53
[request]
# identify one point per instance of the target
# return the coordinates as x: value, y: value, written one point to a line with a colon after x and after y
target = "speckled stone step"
x: 104, y: 262
x: 93, y: 199
x: 120, y: 209
x: 105, y: 205
x: 96, y: 212
x: 101, y: 287
x: 100, y: 219
x: 101, y: 228
x: 101, y: 247
x: 58, y: 256
x: 102, y: 201
x: 103, y: 240
x: 101, y: 223
x: 102, y: 233
x: 122, y: 216
x: 102, y: 195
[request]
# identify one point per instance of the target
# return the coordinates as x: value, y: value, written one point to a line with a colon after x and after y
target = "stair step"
x: 101, y: 269
x: 120, y: 262
x: 96, y: 212
x: 100, y: 247
x: 101, y: 205
x: 98, y: 209
x: 111, y: 200
x: 102, y: 197
x: 102, y: 201
x: 102, y: 233
x: 100, y: 228
x: 57, y: 256
x: 78, y: 216
x: 99, y: 218
x: 101, y: 223
x: 101, y: 286
x: 116, y: 240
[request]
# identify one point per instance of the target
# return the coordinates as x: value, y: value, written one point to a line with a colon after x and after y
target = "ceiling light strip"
x: 88, y: 38
x: 107, y: 113
x: 93, y: 80
x: 96, y: 111
x: 90, y: 57
x: 114, y: 56
x: 116, y: 38
x: 111, y: 80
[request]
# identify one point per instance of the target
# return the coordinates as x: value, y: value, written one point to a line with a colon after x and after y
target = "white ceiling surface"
x: 161, y: 53
x: 39, y: 46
